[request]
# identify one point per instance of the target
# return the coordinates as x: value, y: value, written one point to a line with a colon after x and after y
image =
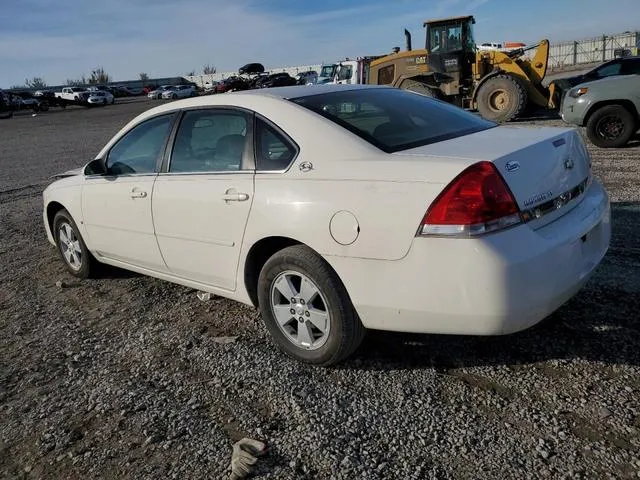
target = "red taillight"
x: 477, y: 201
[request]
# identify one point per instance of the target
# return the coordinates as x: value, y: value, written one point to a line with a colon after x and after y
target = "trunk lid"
x: 546, y: 168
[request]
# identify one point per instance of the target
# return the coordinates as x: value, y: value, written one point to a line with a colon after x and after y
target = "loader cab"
x: 451, y: 46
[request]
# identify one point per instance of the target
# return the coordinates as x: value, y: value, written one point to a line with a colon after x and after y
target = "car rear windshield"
x: 393, y: 119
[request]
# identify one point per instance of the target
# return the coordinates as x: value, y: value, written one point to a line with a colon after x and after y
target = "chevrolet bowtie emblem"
x: 568, y: 164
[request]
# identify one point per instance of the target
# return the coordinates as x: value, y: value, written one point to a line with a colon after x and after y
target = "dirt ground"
x: 132, y: 377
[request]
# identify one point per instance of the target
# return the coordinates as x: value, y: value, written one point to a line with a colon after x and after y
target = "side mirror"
x: 95, y: 167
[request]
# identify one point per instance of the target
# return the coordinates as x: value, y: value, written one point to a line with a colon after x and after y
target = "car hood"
x: 614, y: 81
x: 69, y: 173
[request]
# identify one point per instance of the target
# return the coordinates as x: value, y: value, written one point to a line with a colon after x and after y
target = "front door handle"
x: 138, y: 193
x: 233, y: 196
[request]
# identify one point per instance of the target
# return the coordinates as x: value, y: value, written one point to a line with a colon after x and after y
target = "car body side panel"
x: 66, y: 192
x: 382, y: 216
x: 576, y: 110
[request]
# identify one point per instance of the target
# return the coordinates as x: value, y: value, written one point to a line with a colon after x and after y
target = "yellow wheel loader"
x: 501, y: 85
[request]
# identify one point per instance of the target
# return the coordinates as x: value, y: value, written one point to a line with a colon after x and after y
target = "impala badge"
x: 512, y: 166
x: 306, y: 166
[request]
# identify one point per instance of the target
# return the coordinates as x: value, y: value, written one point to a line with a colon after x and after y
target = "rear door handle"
x: 235, y: 197
x: 138, y: 193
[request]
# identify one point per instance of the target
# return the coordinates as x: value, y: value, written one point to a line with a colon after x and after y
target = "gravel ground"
x: 132, y: 377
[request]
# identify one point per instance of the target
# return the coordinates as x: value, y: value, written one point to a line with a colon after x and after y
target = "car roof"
x: 277, y: 94
x: 299, y: 91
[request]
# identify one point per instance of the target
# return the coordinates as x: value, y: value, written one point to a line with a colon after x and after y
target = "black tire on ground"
x: 87, y: 267
x: 174, y: 96
x: 346, y: 331
x: 104, y: 102
x: 502, y: 98
x: 611, y: 126
x: 420, y: 88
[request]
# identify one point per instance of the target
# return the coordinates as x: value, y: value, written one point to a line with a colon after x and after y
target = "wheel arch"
x: 53, y: 208
x: 257, y: 256
x: 627, y: 104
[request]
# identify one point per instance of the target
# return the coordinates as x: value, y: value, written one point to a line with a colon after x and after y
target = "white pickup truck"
x: 74, y: 95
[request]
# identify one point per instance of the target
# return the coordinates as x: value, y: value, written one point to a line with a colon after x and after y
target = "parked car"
x: 49, y: 97
x: 73, y: 95
x: 101, y: 97
x: 125, y: 91
x: 608, y: 108
x: 27, y: 101
x: 612, y: 68
x: 157, y: 93
x: 5, y: 105
x: 98, y: 88
x: 251, y: 69
x: 307, y: 78
x: 232, y: 83
x: 278, y: 80
x: 180, y: 91
x: 334, y: 209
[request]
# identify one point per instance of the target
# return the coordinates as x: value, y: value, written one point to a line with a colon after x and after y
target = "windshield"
x: 328, y: 71
x: 393, y: 119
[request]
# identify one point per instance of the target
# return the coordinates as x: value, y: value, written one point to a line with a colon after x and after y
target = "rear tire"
x: 420, y: 88
x: 302, y: 273
x: 71, y: 247
x: 502, y: 98
x: 611, y: 126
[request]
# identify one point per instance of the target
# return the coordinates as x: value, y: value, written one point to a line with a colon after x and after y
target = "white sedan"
x: 337, y: 209
x: 179, y: 91
x: 100, y: 97
x: 157, y: 93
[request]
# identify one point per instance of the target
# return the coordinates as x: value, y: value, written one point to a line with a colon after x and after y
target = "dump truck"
x: 500, y: 85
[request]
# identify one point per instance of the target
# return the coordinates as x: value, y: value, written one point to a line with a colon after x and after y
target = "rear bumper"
x: 494, y: 285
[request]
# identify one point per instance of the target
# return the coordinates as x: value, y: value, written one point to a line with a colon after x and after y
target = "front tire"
x: 71, y: 247
x: 306, y: 308
x: 611, y: 126
x: 502, y: 98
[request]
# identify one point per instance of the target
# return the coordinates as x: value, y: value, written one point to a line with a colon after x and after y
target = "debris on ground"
x: 245, y: 456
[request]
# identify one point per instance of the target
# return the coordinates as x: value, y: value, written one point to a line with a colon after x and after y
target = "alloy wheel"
x: 300, y: 310
x: 69, y: 245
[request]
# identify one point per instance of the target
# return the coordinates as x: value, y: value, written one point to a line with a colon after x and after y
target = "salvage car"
x: 100, y: 97
x: 6, y: 110
x: 179, y: 91
x: 336, y: 209
x: 608, y: 108
x: 156, y: 93
x: 230, y: 84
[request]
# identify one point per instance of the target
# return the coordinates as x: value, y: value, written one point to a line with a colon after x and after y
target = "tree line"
x: 98, y: 76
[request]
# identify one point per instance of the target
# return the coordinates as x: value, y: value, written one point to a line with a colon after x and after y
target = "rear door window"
x: 274, y: 151
x: 209, y: 141
x: 631, y: 66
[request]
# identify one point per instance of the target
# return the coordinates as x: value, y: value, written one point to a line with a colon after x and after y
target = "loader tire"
x: 420, y: 88
x: 502, y: 98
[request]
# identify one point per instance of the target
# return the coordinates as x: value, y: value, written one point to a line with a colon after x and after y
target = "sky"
x: 62, y: 39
